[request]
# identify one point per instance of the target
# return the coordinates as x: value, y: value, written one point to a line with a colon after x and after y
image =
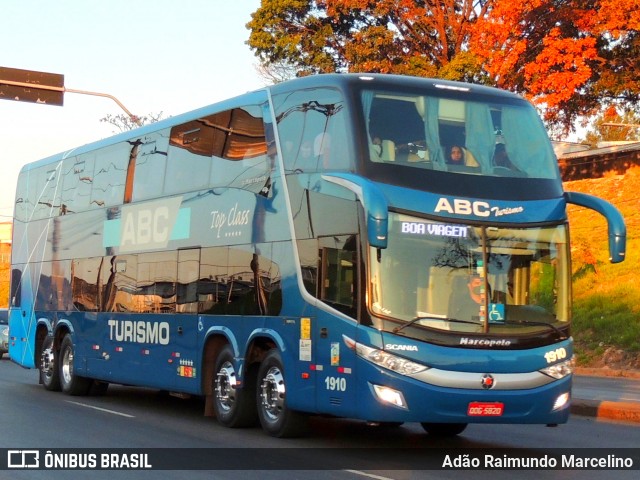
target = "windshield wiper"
x: 561, y: 336
x: 442, y: 319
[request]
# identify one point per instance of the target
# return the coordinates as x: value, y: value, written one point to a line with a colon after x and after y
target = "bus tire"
x: 49, y: 374
x: 275, y: 417
x: 70, y: 383
x: 444, y: 429
x: 234, y: 407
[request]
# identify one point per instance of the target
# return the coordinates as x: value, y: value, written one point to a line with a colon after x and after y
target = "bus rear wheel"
x: 71, y: 383
x: 444, y: 429
x: 275, y: 417
x: 49, y: 375
x: 234, y: 407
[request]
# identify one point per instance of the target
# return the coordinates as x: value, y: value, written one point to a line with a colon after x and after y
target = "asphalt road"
x: 126, y: 417
x: 614, y: 389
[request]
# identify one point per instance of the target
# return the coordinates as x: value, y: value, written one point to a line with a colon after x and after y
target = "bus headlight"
x: 389, y: 395
x: 389, y: 361
x: 561, y: 402
x: 559, y: 370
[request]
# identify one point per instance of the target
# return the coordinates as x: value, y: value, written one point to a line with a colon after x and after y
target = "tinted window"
x: 23, y: 207
x: 77, y: 178
x: 187, y: 287
x: 226, y: 149
x: 85, y: 284
x: 150, y: 157
x: 156, y: 282
x: 463, y: 135
x: 47, y: 194
x: 241, y: 160
x: 119, y: 284
x: 110, y: 173
x: 188, y: 162
x: 237, y: 281
x: 313, y: 130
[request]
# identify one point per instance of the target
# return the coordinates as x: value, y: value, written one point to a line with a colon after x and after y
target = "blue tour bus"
x: 384, y: 248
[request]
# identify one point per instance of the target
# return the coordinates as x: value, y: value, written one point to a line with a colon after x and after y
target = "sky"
x: 152, y: 55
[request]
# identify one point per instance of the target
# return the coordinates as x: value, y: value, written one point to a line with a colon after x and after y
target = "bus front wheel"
x: 71, y: 383
x: 275, y: 417
x: 234, y: 407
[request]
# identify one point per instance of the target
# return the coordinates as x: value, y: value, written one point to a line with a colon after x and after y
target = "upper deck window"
x: 313, y: 129
x: 465, y: 135
x: 226, y: 149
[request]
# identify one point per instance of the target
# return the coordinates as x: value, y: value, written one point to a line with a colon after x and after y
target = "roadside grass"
x: 606, y: 297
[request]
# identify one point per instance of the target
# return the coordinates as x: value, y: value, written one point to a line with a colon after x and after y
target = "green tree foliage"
x: 570, y: 57
x: 388, y: 36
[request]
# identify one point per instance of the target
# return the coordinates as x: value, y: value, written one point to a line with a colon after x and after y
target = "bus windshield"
x: 471, y: 279
x: 469, y: 136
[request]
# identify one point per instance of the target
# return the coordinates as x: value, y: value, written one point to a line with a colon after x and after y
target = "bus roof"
x: 348, y: 80
x: 341, y: 81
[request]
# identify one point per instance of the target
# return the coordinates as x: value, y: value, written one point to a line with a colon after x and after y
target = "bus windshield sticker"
x: 305, y: 350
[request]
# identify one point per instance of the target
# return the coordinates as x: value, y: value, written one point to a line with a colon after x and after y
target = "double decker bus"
x: 376, y: 247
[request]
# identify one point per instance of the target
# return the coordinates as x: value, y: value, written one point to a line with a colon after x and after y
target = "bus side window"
x: 189, y: 156
x: 110, y: 175
x: 313, y: 130
x: 156, y: 282
x: 240, y: 158
x: 77, y: 178
x: 338, y: 273
x: 85, y: 276
x: 150, y: 165
x: 187, y: 286
x: 237, y: 281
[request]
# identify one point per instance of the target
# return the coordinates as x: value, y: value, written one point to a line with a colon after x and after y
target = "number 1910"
x: 336, y: 383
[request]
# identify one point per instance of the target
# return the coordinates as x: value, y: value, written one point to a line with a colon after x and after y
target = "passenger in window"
x: 456, y: 156
x: 322, y: 148
x: 305, y: 159
x: 305, y: 150
x: 501, y: 158
x: 460, y: 156
x: 376, y: 141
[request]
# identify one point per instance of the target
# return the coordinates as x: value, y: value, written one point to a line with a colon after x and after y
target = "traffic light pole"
x: 63, y: 90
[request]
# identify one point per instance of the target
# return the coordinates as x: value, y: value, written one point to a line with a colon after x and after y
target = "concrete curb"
x: 604, y: 409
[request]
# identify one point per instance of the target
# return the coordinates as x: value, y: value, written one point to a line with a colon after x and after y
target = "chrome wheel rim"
x: 47, y: 362
x: 67, y: 366
x: 272, y: 393
x: 225, y: 386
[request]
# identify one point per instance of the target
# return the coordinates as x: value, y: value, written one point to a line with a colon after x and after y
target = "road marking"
x: 101, y: 409
x: 370, y: 475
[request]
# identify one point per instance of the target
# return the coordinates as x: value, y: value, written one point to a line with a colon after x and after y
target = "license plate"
x: 485, y: 409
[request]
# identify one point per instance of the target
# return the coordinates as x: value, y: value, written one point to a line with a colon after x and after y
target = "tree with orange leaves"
x: 570, y: 57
